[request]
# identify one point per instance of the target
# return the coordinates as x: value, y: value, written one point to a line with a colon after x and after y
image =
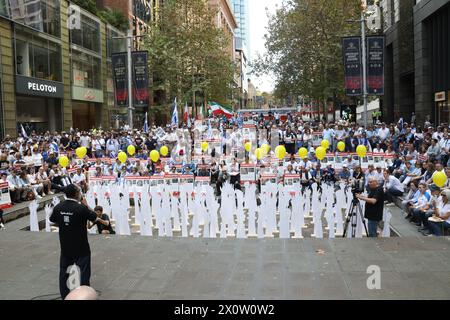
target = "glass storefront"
x: 37, y: 56
x: 39, y: 113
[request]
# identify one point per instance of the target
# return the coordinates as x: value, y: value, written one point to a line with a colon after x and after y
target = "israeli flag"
x: 24, y: 133
x: 175, y: 114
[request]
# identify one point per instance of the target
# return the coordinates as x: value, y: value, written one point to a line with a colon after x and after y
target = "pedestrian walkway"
x: 138, y: 267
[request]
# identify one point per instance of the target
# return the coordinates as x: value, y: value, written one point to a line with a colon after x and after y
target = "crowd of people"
x: 30, y: 163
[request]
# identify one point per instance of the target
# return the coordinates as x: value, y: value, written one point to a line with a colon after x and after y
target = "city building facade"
x: 54, y: 74
x: 226, y: 21
x: 417, y: 70
x: 241, y: 13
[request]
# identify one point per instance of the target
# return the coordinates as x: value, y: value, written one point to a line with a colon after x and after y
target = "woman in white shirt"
x: 38, y: 188
x: 307, y: 138
x: 28, y: 158
x: 378, y: 149
x: 37, y: 159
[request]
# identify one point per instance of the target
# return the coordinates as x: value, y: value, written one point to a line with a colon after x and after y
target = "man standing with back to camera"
x: 374, y: 206
x: 71, y: 216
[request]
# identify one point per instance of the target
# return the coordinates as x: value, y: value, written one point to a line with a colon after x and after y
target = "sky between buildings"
x: 258, y: 25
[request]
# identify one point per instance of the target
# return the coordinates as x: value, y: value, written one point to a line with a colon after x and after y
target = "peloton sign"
x: 39, y: 87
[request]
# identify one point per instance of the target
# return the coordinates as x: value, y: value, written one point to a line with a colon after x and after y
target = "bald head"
x: 82, y: 293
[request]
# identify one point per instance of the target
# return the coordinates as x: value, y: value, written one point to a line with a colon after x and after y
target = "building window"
x: 89, y: 35
x: 36, y: 56
x: 114, y: 45
x: 41, y: 15
x: 86, y: 70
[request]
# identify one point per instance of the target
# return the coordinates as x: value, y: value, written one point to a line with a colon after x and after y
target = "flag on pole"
x: 146, y: 124
x: 218, y: 110
x: 24, y: 133
x: 175, y: 114
x: 186, y: 117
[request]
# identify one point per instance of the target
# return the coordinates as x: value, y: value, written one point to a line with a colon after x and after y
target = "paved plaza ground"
x: 138, y: 267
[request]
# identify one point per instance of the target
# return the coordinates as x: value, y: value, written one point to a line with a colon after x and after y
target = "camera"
x: 357, y: 187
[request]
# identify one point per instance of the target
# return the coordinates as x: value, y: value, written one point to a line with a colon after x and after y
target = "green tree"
x: 115, y: 18
x: 187, y: 54
x: 304, y: 47
x: 89, y: 5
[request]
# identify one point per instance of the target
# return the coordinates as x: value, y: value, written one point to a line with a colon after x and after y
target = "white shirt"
x: 383, y: 133
x: 78, y: 178
x: 234, y: 169
x: 444, y: 209
x: 84, y: 141
x: 37, y: 159
x: 421, y: 201
x: 393, y: 182
x: 96, y: 145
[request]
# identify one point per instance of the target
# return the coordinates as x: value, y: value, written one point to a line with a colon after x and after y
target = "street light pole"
x: 364, y: 66
x: 130, y: 91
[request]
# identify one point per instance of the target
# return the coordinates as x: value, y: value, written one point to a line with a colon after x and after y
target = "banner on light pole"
x: 140, y: 78
x: 375, y: 65
x: 119, y: 66
x: 351, y: 52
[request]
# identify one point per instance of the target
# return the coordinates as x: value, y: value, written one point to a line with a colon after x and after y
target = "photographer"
x: 374, y: 205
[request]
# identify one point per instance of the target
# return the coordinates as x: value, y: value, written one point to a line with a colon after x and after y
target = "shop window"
x: 36, y: 56
x: 86, y: 70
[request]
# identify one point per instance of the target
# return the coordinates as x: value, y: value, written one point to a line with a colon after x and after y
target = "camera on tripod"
x: 357, y: 187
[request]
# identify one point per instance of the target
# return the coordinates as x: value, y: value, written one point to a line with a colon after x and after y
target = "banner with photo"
x: 351, y: 52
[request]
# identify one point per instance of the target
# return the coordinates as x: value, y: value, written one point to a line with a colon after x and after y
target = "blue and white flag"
x: 146, y: 124
x: 24, y: 133
x: 175, y: 114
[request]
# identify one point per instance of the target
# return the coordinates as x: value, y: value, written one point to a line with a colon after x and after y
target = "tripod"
x: 355, y: 209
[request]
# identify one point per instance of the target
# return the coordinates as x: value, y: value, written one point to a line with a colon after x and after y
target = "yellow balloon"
x: 341, y: 146
x: 265, y: 148
x: 205, y: 146
x: 122, y: 156
x: 63, y: 161
x: 321, y: 153
x: 154, y: 156
x: 131, y: 150
x: 259, y: 153
x: 325, y: 144
x: 439, y: 179
x: 164, y: 151
x: 361, y: 151
x: 81, y: 152
x: 248, y: 146
x: 303, y: 153
x: 280, y: 152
